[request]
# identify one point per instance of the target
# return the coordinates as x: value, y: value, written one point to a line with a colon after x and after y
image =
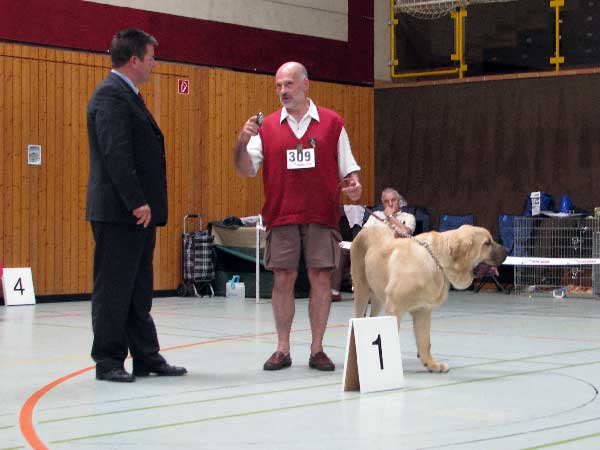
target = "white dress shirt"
x: 346, y: 161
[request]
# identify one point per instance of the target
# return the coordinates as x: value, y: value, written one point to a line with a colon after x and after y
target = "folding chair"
x: 506, y: 230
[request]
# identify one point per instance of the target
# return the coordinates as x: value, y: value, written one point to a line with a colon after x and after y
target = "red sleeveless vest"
x: 294, y: 196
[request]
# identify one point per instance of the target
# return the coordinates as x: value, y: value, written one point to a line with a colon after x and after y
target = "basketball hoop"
x: 433, y: 9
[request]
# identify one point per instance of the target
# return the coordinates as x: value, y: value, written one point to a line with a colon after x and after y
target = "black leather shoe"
x: 162, y: 370
x: 119, y: 375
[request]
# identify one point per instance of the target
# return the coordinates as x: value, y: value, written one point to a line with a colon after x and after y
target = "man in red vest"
x: 306, y: 160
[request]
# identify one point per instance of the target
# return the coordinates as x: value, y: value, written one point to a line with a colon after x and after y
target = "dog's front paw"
x: 437, y: 367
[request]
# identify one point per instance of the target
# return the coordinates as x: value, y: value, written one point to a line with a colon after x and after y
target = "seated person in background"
x: 403, y: 223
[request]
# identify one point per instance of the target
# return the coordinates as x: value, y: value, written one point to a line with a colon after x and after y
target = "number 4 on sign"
x: 373, y: 357
x: 17, y: 285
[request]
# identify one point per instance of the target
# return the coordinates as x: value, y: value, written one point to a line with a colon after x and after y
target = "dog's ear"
x: 459, y: 246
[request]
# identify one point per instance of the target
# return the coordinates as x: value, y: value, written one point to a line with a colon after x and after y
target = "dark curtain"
x: 482, y: 147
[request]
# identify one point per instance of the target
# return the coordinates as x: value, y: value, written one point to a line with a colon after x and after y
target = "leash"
x: 403, y: 235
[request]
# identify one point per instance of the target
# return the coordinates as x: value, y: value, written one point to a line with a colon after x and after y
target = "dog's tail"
x: 358, y: 251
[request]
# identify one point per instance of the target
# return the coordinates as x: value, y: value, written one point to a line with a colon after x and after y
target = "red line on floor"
x: 26, y: 414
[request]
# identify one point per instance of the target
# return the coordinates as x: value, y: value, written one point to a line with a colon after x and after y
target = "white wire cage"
x: 551, y: 238
x: 433, y: 9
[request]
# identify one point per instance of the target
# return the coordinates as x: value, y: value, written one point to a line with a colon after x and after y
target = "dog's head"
x: 472, y: 252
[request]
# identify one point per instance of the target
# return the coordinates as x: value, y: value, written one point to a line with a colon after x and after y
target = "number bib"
x: 303, y: 159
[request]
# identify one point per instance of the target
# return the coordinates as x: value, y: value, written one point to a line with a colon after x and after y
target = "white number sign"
x: 17, y: 285
x: 373, y: 357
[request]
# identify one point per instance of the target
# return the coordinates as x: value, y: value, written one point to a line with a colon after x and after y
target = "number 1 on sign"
x: 377, y: 342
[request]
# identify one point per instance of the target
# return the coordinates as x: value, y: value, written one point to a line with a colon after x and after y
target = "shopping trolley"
x: 198, y: 260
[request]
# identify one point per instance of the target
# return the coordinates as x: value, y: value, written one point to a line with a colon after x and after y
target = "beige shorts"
x: 320, y: 245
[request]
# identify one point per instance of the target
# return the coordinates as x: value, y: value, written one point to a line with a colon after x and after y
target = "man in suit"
x: 126, y: 201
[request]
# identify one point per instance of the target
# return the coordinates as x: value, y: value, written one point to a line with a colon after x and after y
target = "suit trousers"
x: 122, y: 296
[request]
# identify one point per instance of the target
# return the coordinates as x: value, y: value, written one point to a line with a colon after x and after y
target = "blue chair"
x: 452, y: 222
x: 506, y: 231
x: 422, y: 218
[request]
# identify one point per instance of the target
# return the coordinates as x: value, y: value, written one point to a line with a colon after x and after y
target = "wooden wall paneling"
x: 235, y: 191
x: 7, y: 173
x: 75, y: 153
x: 12, y: 173
x: 185, y: 182
x: 24, y: 126
x: 17, y: 205
x: 79, y: 152
x: 172, y: 131
x: 197, y: 123
x: 215, y: 133
x: 241, y: 103
x: 228, y: 82
x: 360, y: 125
x: 49, y: 143
x: 215, y: 125
x: 3, y: 119
x: 33, y: 189
x: 69, y: 162
x: 250, y: 188
x: 53, y: 189
x: 199, y: 152
x: 64, y: 171
x: 57, y: 168
x: 84, y: 278
x: 5, y: 142
x: 43, y: 100
x: 72, y: 159
x: 368, y: 139
x: 180, y: 114
x: 84, y: 275
x: 226, y: 87
x: 40, y: 241
x: 54, y: 130
x: 210, y: 157
x: 177, y: 105
x: 256, y: 102
x: 186, y: 194
x: 87, y: 279
x: 158, y: 97
x: 265, y: 100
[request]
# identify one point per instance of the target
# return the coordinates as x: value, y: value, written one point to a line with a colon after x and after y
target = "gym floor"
x: 524, y: 373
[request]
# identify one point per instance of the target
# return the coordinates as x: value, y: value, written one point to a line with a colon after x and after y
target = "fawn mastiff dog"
x: 415, y: 274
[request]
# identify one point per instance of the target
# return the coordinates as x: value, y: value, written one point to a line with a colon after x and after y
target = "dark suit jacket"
x: 127, y: 156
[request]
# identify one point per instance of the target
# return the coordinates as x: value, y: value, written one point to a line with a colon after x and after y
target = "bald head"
x: 293, y: 68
